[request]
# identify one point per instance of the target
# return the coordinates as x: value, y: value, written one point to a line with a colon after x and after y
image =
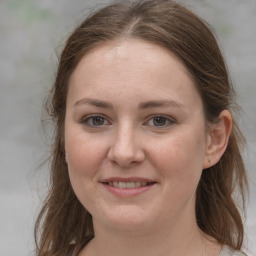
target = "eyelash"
x: 89, y: 119
x: 170, y: 121
x: 86, y: 121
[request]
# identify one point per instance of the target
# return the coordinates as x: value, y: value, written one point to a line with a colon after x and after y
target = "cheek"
x: 85, y: 156
x: 85, y: 153
x: 179, y: 159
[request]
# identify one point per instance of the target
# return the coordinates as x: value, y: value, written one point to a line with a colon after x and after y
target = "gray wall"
x: 31, y: 31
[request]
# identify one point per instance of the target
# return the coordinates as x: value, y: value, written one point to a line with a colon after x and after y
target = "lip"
x: 128, y: 179
x: 127, y: 192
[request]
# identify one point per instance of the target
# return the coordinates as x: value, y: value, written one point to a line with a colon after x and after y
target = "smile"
x: 131, y: 184
x: 128, y: 187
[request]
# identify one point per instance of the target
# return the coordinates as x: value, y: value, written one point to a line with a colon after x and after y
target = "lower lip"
x: 127, y: 192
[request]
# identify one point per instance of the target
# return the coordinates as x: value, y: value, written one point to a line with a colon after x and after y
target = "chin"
x: 128, y: 219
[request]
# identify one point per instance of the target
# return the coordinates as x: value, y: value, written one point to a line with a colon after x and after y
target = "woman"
x: 146, y: 153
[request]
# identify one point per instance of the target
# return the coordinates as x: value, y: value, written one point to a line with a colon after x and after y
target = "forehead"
x: 132, y: 67
x: 134, y: 53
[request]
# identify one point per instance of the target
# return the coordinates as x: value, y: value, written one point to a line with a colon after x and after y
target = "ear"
x: 217, y: 139
x: 66, y: 157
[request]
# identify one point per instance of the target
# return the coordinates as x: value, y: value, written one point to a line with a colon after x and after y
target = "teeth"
x: 115, y: 184
x: 130, y: 184
x: 138, y: 184
x: 122, y: 185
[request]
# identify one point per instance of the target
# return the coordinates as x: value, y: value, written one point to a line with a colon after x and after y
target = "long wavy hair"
x: 63, y: 221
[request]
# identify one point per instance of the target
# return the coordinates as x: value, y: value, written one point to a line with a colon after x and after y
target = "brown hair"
x: 63, y: 220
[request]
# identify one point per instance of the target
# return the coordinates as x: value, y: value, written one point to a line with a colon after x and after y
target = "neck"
x: 172, y: 240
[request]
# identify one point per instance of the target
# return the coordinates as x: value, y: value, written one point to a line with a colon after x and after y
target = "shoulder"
x: 227, y: 251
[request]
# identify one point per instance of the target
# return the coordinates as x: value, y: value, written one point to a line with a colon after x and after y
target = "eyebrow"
x: 94, y: 102
x: 143, y: 105
x: 160, y: 103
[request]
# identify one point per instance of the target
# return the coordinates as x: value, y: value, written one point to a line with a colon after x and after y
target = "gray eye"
x: 159, y: 120
x: 97, y: 120
x: 94, y: 121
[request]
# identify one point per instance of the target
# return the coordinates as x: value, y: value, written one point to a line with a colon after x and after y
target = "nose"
x: 126, y: 148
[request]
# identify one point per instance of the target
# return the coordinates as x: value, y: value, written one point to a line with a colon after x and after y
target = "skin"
x: 128, y: 141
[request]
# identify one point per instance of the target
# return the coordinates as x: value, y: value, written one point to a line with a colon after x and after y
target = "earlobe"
x: 218, y: 138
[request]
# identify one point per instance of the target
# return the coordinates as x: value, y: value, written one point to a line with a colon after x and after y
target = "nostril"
x: 125, y: 153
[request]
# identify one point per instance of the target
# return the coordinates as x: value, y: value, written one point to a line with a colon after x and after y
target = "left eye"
x: 95, y: 121
x: 160, y: 121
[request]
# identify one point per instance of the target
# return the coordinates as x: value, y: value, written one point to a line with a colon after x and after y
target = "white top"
x: 227, y: 251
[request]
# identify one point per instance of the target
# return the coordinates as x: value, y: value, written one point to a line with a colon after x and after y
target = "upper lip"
x: 129, y: 179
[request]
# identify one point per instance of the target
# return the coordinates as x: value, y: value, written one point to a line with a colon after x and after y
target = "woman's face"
x: 135, y: 136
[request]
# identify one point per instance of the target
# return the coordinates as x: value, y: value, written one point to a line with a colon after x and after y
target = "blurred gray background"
x: 32, y: 33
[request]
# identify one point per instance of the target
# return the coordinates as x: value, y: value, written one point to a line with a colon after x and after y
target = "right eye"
x: 160, y: 121
x: 95, y: 121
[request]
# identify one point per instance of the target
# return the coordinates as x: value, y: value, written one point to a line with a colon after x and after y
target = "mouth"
x: 129, y: 184
x: 128, y: 187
